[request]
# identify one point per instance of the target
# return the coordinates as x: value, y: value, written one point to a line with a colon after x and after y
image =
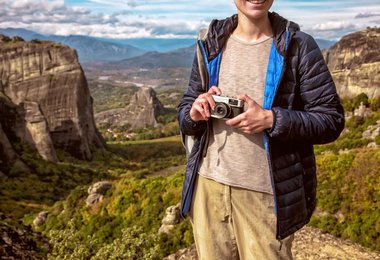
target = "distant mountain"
x: 181, y: 58
x: 88, y: 48
x: 25, y: 34
x: 324, y: 44
x: 158, y: 45
x: 93, y: 49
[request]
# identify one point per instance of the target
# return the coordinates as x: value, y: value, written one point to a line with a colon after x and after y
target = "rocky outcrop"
x: 354, y: 62
x: 172, y: 217
x: 40, y: 219
x: 46, y: 84
x: 309, y: 244
x: 37, y: 131
x: 96, y: 192
x: 142, y: 111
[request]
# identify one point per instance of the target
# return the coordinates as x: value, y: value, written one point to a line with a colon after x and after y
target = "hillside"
x: 181, y: 58
x: 112, y: 206
x: 129, y: 213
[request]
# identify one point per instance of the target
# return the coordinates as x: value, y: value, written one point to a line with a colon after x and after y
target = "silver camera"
x: 227, y: 107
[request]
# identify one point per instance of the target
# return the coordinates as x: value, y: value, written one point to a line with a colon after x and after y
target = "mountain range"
x: 105, y: 49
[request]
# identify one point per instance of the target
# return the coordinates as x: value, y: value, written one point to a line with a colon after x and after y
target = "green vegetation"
x: 349, y: 195
x: 147, y: 177
x: 349, y: 181
x: 130, y: 213
x: 168, y: 126
x: 109, y: 95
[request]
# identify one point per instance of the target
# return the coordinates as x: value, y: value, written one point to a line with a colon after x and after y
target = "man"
x: 250, y: 181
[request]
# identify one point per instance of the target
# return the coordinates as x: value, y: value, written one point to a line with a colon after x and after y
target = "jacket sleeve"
x: 322, y: 118
x: 195, y: 88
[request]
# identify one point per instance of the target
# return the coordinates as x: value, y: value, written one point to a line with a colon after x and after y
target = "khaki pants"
x: 235, y: 223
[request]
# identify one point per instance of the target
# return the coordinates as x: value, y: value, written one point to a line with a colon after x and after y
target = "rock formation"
x: 48, y: 92
x: 96, y: 192
x: 142, y: 111
x: 40, y: 219
x: 172, y: 217
x: 354, y: 62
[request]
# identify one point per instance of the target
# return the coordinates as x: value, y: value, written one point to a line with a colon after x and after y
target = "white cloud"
x: 334, y: 26
x: 174, y: 18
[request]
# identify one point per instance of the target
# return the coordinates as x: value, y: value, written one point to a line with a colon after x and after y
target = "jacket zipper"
x: 268, y: 140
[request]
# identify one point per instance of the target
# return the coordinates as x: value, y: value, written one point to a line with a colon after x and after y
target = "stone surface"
x: 40, y: 219
x: 354, y: 62
x: 96, y: 192
x: 7, y: 152
x: 172, y: 217
x: 37, y: 131
x: 50, y: 75
x: 372, y: 131
x: 309, y: 244
x: 93, y: 199
x: 142, y: 111
x: 99, y: 187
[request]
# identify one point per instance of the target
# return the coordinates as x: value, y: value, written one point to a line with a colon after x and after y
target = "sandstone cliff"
x: 48, y: 97
x: 142, y: 111
x: 354, y: 62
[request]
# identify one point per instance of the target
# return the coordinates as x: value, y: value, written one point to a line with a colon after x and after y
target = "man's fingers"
x: 200, y: 109
x: 214, y: 90
x: 247, y: 99
x: 234, y: 122
x: 211, y: 101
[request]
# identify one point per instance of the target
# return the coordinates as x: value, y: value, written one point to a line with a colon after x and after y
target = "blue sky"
x: 176, y: 18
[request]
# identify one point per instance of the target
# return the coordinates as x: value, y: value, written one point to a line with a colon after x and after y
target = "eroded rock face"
x: 48, y: 79
x: 37, y: 131
x: 354, y: 62
x: 141, y: 111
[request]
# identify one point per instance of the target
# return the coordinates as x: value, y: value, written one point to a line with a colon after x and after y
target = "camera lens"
x: 221, y: 110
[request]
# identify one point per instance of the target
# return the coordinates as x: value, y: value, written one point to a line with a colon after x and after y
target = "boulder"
x: 40, y: 219
x: 372, y: 131
x: 172, y: 217
x: 99, y: 188
x: 96, y: 192
x: 93, y: 199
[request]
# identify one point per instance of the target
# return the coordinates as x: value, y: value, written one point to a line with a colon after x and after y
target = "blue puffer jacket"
x: 302, y: 95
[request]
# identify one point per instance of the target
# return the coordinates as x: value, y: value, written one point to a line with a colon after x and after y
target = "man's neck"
x: 253, y: 30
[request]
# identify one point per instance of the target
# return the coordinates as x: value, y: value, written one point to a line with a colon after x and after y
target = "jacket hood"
x: 220, y: 30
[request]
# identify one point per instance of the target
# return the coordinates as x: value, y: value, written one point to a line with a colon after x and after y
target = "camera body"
x: 227, y: 107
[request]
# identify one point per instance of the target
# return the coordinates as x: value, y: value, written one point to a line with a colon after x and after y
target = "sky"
x: 327, y: 19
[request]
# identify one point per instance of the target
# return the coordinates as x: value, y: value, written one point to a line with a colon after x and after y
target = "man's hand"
x: 200, y: 110
x: 254, y: 120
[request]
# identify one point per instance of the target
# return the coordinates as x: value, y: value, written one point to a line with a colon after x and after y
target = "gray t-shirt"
x: 233, y: 157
